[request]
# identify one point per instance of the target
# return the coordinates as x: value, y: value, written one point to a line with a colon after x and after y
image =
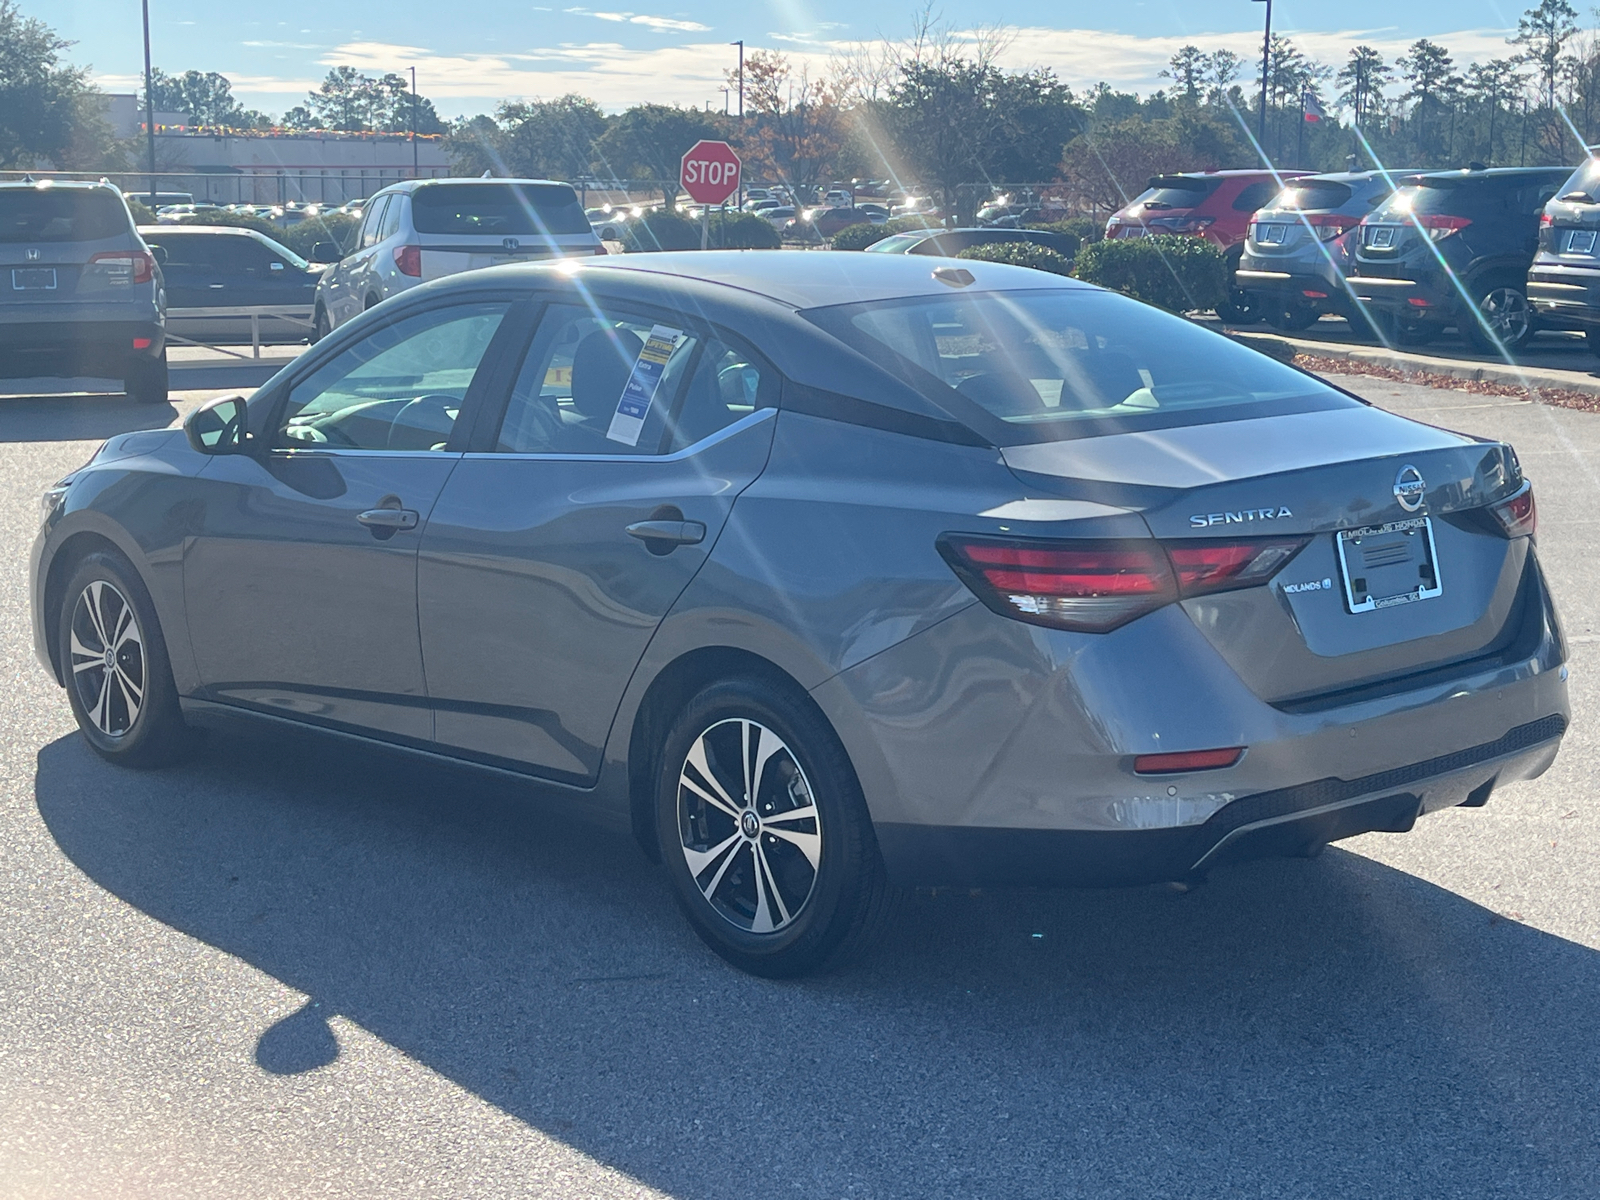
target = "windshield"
x: 1050, y: 365
x: 49, y: 215
x: 1176, y: 192
x: 897, y: 244
x: 1311, y: 197
x: 498, y: 209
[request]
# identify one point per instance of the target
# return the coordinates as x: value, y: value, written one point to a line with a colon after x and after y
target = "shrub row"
x: 859, y: 237
x: 1176, y: 273
x: 663, y: 230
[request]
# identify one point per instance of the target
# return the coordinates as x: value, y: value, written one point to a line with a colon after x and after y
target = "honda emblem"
x: 511, y: 245
x: 32, y: 255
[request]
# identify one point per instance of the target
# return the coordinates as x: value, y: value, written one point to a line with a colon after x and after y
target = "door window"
x: 596, y: 384
x: 400, y: 388
x: 391, y: 219
x: 240, y: 256
x: 374, y: 218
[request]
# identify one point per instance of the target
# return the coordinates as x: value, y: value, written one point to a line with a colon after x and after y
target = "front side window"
x: 1033, y: 366
x: 400, y: 388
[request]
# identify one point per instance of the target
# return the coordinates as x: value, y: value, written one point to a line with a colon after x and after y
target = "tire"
x: 370, y: 303
x: 1503, y: 304
x: 777, y: 896
x: 129, y: 714
x: 1289, y: 319
x: 320, y: 326
x: 1415, y: 333
x: 146, y: 380
x: 1591, y: 338
x: 1242, y: 307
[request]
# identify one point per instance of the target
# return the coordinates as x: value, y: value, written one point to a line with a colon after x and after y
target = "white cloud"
x: 691, y: 73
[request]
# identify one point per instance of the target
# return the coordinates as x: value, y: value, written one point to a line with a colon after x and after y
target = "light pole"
x: 740, y: 44
x: 149, y: 104
x: 414, y: 171
x: 1266, y: 59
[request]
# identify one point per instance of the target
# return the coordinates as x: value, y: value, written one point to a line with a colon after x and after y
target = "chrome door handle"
x: 388, y: 518
x: 671, y: 533
x: 217, y: 285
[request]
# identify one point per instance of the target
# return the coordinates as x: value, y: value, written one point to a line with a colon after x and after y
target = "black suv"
x: 1564, y: 282
x: 1453, y: 248
x: 80, y: 292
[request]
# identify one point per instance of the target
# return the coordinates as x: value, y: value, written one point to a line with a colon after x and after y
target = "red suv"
x: 1215, y: 205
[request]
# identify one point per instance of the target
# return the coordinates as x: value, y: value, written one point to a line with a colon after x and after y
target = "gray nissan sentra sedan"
x: 827, y: 573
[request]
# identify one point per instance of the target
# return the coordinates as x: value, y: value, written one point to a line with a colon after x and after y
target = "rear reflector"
x: 1095, y: 586
x: 1307, y: 292
x: 1187, y: 760
x: 1518, y: 515
x: 409, y: 260
x: 141, y: 343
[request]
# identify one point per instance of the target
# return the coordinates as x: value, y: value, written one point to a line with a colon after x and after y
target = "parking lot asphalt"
x: 290, y: 968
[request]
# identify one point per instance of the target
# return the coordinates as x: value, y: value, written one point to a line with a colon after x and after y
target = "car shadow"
x: 78, y: 418
x: 1335, y: 1026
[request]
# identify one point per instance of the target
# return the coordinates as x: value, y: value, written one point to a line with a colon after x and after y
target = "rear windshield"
x: 498, y: 209
x: 48, y: 215
x: 1585, y: 179
x: 1176, y: 191
x: 898, y: 243
x: 1042, y: 366
x: 1312, y: 197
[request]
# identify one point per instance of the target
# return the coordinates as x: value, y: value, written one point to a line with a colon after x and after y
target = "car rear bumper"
x: 1570, y: 294
x: 994, y: 753
x: 1290, y: 283
x: 68, y: 348
x: 1415, y: 296
x: 1267, y: 824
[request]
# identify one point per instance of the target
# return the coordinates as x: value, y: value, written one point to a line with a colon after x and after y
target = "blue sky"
x: 469, y: 56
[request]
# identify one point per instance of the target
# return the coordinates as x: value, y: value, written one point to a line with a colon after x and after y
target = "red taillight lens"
x: 1220, y: 566
x: 125, y: 266
x: 1331, y: 225
x: 1089, y: 586
x: 1095, y: 586
x: 1546, y: 220
x: 409, y: 260
x: 1187, y: 760
x: 1440, y: 228
x: 1518, y: 515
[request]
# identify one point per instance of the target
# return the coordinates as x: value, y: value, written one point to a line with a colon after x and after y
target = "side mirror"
x: 159, y: 253
x: 220, y: 427
x: 326, y: 252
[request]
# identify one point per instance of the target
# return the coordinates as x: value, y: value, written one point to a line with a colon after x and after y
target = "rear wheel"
x: 1292, y: 318
x: 1505, y: 318
x: 145, y: 380
x: 320, y: 326
x: 764, y: 831
x: 119, y: 680
x: 1592, y: 338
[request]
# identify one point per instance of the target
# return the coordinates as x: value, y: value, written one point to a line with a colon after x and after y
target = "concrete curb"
x: 1284, y: 348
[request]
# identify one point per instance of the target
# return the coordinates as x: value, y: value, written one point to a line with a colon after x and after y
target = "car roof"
x: 1492, y: 173
x: 411, y: 185
x: 51, y: 185
x: 802, y: 280
x: 1231, y: 173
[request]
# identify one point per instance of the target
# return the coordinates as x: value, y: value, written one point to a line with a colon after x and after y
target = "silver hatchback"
x: 420, y: 230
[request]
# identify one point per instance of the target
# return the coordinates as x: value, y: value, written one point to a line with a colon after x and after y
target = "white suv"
x: 419, y: 230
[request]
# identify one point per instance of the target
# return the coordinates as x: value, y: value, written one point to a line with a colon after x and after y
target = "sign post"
x: 710, y: 174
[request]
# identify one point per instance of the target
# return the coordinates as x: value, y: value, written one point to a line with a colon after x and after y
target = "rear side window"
x: 61, y: 215
x: 1051, y: 365
x: 374, y: 218
x: 1254, y: 196
x: 498, y: 209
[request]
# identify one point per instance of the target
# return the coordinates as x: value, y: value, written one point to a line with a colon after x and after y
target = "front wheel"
x: 1291, y: 318
x: 119, y: 681
x: 1242, y: 307
x: 764, y: 831
x: 1504, y: 320
x: 320, y: 326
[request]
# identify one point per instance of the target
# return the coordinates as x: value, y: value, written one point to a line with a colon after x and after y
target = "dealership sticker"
x: 640, y: 391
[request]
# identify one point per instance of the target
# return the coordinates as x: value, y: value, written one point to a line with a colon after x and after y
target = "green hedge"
x: 741, y: 231
x: 1172, y: 272
x: 859, y: 237
x: 338, y: 228
x: 659, y: 229
x: 1085, y: 229
x: 1021, y: 254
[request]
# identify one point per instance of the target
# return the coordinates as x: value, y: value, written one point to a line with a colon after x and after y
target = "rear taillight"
x: 1517, y: 514
x: 1220, y: 566
x: 1096, y: 586
x: 409, y: 260
x: 1440, y: 228
x: 1546, y: 220
x: 125, y: 266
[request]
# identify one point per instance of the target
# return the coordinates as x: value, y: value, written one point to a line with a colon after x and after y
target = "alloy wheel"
x: 1507, y: 313
x: 748, y: 825
x: 108, y: 658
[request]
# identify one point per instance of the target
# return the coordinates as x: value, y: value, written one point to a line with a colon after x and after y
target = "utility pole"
x: 415, y: 173
x: 740, y: 44
x: 1266, y: 60
x: 149, y: 104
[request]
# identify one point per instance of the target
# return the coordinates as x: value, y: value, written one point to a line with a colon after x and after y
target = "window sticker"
x: 640, y: 391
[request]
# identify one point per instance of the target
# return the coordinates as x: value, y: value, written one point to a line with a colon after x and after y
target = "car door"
x: 300, y: 577
x: 568, y: 531
x: 347, y: 293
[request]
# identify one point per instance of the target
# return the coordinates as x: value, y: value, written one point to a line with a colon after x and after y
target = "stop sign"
x: 710, y: 172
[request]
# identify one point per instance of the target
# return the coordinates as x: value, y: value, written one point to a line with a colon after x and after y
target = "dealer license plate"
x: 1271, y: 235
x: 34, y: 279
x: 1580, y: 241
x: 1380, y: 236
x: 1386, y: 565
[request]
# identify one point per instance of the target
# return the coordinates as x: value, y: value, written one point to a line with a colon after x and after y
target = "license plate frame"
x: 31, y: 279
x: 1368, y: 574
x: 1381, y: 237
x: 1272, y: 235
x: 1580, y: 241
